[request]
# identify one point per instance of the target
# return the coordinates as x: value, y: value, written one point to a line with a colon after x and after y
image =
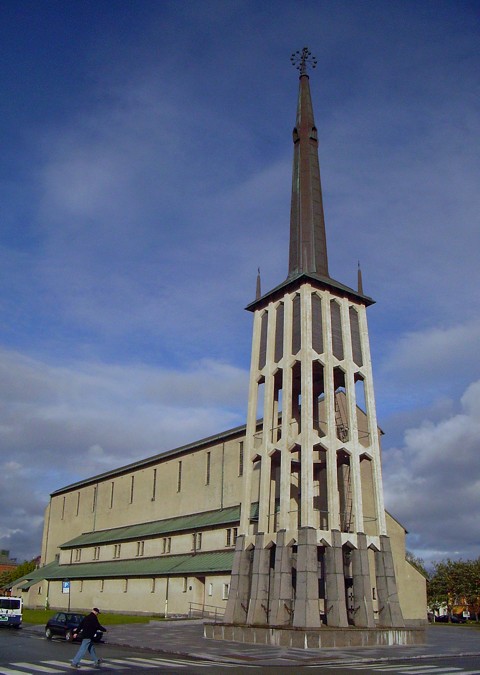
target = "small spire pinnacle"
x: 300, y: 59
x: 258, y: 293
x: 360, y: 282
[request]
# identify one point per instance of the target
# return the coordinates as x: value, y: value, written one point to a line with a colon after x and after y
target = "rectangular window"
x: 240, y: 459
x: 80, y: 586
x: 225, y: 591
x: 196, y: 541
x: 78, y: 554
x: 210, y: 589
x: 102, y: 585
x: 231, y: 536
x: 78, y: 503
x: 185, y: 584
x: 154, y: 486
x: 166, y: 544
x: 94, y: 500
x: 152, y: 587
x: 132, y: 485
x: 63, y: 509
x: 112, y: 489
x: 140, y: 547
x: 207, y: 469
x: 179, y: 478
x: 374, y: 595
x: 116, y: 550
x: 125, y: 586
x: 96, y: 553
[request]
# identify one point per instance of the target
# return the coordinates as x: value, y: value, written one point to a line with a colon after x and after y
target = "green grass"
x: 41, y: 616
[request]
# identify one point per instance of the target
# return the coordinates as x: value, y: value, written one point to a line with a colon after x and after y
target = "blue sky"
x: 145, y: 175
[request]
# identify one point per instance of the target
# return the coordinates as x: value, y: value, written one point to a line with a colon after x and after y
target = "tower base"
x: 320, y: 638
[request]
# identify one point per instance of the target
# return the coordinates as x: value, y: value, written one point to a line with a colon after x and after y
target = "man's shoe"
x: 74, y: 665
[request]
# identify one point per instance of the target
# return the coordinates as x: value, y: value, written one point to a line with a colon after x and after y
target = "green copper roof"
x: 189, y: 563
x: 159, y: 527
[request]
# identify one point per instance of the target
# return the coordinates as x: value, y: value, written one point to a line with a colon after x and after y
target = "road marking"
x: 38, y: 668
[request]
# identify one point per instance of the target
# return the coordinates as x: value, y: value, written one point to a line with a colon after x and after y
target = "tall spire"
x: 308, y: 244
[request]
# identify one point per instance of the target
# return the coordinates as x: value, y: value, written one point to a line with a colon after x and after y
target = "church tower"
x: 312, y: 548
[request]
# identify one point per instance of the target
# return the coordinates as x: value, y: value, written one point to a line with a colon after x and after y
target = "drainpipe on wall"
x: 166, y: 598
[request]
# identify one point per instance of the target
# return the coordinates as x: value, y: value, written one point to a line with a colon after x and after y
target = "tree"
x: 9, y: 576
x: 455, y: 583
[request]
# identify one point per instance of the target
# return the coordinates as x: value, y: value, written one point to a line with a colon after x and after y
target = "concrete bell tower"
x: 312, y: 548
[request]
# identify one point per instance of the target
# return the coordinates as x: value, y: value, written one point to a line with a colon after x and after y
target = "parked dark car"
x: 455, y: 618
x: 64, y: 624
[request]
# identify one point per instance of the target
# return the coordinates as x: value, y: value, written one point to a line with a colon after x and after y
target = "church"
x: 280, y: 522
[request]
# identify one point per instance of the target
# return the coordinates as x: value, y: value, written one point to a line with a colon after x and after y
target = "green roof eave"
x: 156, y: 528
x: 189, y: 563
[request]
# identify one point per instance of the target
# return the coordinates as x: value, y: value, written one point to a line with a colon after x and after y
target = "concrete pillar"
x: 258, y: 608
x: 281, y: 601
x: 362, y: 595
x: 306, y: 613
x: 389, y: 611
x: 238, y: 597
x: 335, y: 603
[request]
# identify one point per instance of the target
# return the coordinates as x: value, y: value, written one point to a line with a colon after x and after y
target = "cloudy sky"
x: 145, y: 175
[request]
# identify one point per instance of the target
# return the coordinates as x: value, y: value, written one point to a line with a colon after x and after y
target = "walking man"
x: 87, y: 630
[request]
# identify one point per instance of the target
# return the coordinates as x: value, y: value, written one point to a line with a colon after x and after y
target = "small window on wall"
x: 179, y: 477
x: 102, y: 585
x: 140, y: 548
x: 210, y: 589
x: 39, y: 590
x: 185, y: 585
x: 78, y: 554
x: 96, y: 553
x: 132, y: 488
x: 152, y: 587
x: 80, y: 586
x: 116, y: 550
x: 166, y: 544
x: 196, y: 541
x: 225, y: 591
x: 125, y: 586
x: 240, y: 459
x: 207, y: 468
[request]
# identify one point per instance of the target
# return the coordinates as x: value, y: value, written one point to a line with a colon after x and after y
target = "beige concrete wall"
x: 93, y: 507
x: 412, y: 586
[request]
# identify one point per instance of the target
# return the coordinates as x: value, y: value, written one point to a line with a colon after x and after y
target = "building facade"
x: 279, y: 522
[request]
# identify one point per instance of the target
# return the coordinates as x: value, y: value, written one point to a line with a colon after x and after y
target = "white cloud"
x: 59, y: 424
x: 432, y: 481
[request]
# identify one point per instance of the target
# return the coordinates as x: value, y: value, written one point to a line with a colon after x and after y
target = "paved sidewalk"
x: 185, y: 638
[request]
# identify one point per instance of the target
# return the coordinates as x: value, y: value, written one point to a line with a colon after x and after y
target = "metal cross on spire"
x: 301, y: 59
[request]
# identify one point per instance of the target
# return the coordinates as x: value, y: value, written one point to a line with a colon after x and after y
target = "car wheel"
x: 69, y: 636
x: 48, y: 633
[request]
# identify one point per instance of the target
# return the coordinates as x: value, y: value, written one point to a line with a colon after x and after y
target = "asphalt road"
x: 26, y: 653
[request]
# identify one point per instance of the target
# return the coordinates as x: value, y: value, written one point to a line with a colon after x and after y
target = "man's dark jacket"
x: 89, y: 626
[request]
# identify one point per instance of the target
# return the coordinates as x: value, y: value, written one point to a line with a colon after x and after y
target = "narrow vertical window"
x: 102, y: 585
x: 179, y: 477
x: 94, y: 500
x: 125, y: 586
x: 154, y: 486
x: 317, y: 336
x: 262, y: 356
x: 152, y: 588
x: 112, y: 489
x: 240, y: 459
x: 207, y: 468
x: 279, y: 332
x: 296, y: 328
x: 185, y: 584
x: 132, y: 487
x: 355, y: 336
x: 63, y: 509
x: 337, y: 340
x: 229, y: 537
x: 210, y: 589
x: 78, y: 503
x: 225, y: 591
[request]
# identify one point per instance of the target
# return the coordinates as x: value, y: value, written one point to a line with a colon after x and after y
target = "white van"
x: 11, y: 611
